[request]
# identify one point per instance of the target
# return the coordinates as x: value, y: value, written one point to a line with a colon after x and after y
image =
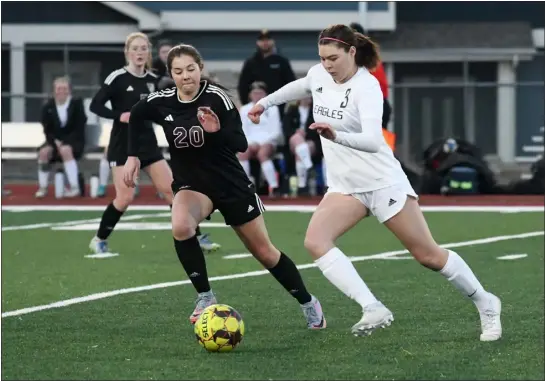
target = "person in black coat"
x: 305, y: 149
x: 63, y: 120
x: 266, y: 65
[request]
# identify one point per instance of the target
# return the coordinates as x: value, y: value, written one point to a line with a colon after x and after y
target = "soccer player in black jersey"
x: 123, y: 88
x: 204, y: 132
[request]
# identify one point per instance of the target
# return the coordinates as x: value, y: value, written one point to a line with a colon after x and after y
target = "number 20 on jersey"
x: 183, y: 137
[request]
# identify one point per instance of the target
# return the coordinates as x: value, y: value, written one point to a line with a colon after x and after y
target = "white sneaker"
x: 375, y: 316
x: 490, y: 320
x: 72, y: 192
x: 41, y: 193
x: 98, y: 246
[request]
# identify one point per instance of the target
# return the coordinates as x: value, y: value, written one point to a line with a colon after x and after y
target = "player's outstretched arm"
x: 291, y: 92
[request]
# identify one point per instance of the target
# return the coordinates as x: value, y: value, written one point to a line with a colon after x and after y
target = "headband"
x: 335, y: 39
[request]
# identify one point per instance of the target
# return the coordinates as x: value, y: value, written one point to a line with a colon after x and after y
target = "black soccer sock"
x: 198, y: 231
x: 110, y: 218
x: 192, y: 259
x: 289, y: 277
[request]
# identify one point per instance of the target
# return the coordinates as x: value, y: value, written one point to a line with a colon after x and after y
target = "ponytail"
x: 367, y: 52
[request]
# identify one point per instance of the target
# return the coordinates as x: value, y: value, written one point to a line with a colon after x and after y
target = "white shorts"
x: 260, y: 140
x: 386, y: 202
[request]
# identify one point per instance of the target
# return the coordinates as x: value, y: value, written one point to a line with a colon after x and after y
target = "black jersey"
x: 202, y: 161
x: 124, y: 90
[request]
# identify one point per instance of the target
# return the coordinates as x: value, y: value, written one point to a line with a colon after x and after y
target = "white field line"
x: 272, y: 208
x: 109, y: 294
x: 269, y: 208
x: 78, y: 222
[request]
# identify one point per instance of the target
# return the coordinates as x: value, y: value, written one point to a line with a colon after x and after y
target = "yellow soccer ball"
x: 220, y: 328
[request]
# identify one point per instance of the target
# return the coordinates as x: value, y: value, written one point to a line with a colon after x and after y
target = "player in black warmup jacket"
x: 204, y: 132
x: 123, y: 88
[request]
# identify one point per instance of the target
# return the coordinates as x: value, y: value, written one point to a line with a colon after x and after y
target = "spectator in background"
x: 263, y: 138
x: 159, y: 65
x: 266, y: 65
x: 380, y: 75
x: 304, y: 143
x: 63, y: 120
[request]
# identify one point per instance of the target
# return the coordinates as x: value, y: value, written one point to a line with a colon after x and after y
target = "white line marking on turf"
x: 512, y: 257
x: 236, y: 256
x: 272, y: 208
x: 136, y: 226
x: 109, y: 294
x: 101, y: 255
x: 77, y: 222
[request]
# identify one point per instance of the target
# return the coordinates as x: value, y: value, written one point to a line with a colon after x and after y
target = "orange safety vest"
x: 390, y: 138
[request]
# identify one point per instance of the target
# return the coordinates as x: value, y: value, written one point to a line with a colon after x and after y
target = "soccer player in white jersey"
x: 263, y: 139
x: 365, y: 178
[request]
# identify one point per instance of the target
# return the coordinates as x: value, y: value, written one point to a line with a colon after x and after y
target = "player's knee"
x: 295, y: 140
x: 66, y: 153
x: 124, y: 199
x: 430, y: 256
x: 266, y: 254
x: 263, y: 155
x: 317, y: 245
x: 183, y: 228
x: 43, y: 154
x: 244, y: 155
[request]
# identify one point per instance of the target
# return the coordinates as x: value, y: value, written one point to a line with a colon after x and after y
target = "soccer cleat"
x: 101, y: 191
x: 490, y: 320
x: 375, y: 316
x: 98, y: 246
x: 204, y: 299
x: 207, y: 244
x: 314, y: 314
x: 72, y: 192
x: 41, y: 193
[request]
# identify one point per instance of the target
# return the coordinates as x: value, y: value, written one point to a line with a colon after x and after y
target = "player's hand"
x: 58, y: 143
x: 255, y: 113
x: 208, y: 119
x: 124, y: 118
x: 324, y: 130
x: 131, y: 171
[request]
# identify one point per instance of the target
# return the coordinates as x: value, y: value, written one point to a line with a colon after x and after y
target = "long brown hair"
x: 344, y: 37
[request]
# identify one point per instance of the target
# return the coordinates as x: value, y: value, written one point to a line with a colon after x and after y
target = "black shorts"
x: 236, y: 211
x: 144, y: 162
x: 77, y: 151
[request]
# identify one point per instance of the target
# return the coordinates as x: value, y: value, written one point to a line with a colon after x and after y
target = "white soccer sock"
x: 340, y: 271
x: 324, y: 173
x: 43, y: 177
x: 270, y: 173
x: 302, y: 172
x: 103, y: 172
x: 246, y: 166
x: 71, y: 168
x: 303, y: 152
x: 458, y: 272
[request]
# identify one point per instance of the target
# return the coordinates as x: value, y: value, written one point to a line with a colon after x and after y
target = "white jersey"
x: 359, y: 160
x: 269, y: 129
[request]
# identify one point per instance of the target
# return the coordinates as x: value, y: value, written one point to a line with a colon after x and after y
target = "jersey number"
x: 345, y: 102
x: 183, y: 138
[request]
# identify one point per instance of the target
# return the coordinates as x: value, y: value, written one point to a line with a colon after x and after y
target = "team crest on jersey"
x: 151, y: 87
